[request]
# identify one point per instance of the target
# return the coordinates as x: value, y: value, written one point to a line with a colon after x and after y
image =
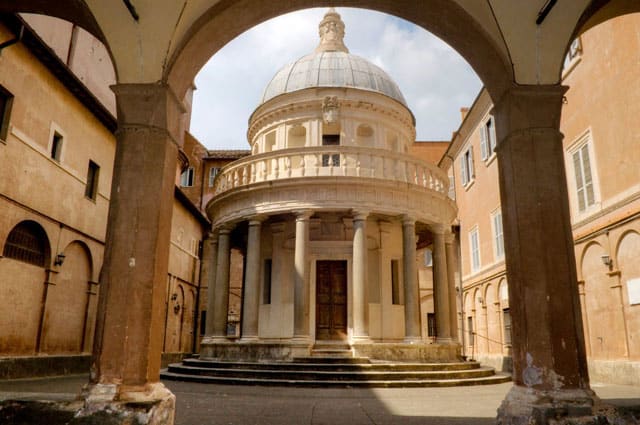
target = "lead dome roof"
x: 331, y: 65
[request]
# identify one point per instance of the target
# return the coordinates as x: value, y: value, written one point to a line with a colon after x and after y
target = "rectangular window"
x: 431, y: 325
x: 466, y: 167
x: 332, y: 160
x: 470, y: 333
x: 395, y: 283
x: 475, y: 249
x: 56, y: 146
x: 266, y: 291
x: 487, y: 139
x: 498, y: 239
x: 93, y: 173
x: 584, y: 178
x: 6, y: 101
x: 186, y: 178
x: 506, y: 320
x: 213, y: 172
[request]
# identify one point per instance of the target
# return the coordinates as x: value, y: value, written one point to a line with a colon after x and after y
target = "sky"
x: 435, y: 80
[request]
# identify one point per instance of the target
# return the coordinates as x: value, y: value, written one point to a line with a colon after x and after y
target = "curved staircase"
x: 333, y: 370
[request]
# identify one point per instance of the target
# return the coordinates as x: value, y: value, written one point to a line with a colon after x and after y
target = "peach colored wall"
x: 428, y: 151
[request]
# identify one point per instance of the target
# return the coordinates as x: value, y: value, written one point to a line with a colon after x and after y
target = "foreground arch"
x: 516, y: 49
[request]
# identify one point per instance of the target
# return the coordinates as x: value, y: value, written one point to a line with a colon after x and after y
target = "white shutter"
x: 493, y: 140
x: 483, y: 142
x: 463, y: 169
x: 588, y: 178
x: 577, y: 168
x: 472, y: 171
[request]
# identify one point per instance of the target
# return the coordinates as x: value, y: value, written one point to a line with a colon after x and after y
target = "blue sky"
x: 434, y: 79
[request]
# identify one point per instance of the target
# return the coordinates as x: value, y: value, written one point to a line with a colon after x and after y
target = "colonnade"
x: 216, y: 256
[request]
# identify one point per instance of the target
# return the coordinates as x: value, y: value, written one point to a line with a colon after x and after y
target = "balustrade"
x: 341, y: 161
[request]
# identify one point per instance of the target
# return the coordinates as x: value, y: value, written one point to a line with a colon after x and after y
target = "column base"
x: 248, y: 339
x: 445, y: 341
x: 528, y: 406
x: 362, y: 339
x: 413, y: 340
x: 210, y: 339
x: 152, y: 404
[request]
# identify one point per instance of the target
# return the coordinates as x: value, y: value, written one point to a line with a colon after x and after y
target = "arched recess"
x: 468, y: 323
x: 602, y: 304
x: 175, y: 311
x: 365, y: 136
x: 229, y: 18
x: 297, y: 136
x: 26, y: 256
x: 65, y: 317
x: 186, y: 341
x: 628, y: 261
x: 493, y: 319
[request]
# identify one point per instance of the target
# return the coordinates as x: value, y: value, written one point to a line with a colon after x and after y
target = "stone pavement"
x: 200, y: 404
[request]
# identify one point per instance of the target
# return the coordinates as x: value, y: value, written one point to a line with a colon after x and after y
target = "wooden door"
x: 331, y: 300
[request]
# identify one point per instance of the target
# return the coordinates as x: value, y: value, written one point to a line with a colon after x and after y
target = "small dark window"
x: 6, y: 101
x: 56, y: 146
x: 27, y: 242
x: 395, y: 283
x: 186, y: 178
x: 506, y: 320
x: 332, y: 160
x: 203, y: 322
x: 266, y: 292
x: 93, y: 174
x: 431, y: 324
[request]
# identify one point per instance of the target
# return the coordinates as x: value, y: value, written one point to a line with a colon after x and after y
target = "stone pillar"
x: 300, y: 282
x: 221, y: 289
x: 208, y: 276
x: 412, y: 331
x: 133, y: 282
x: 360, y: 267
x: 441, y: 286
x: 251, y: 297
x: 549, y: 363
x: 452, y: 260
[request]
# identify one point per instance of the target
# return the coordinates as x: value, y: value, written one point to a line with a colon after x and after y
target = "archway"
x: 531, y: 182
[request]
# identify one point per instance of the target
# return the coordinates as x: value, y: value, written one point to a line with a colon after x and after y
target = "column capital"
x: 438, y: 228
x: 303, y: 215
x: 224, y: 230
x: 408, y: 220
x: 359, y: 214
x: 150, y: 105
x: 257, y: 220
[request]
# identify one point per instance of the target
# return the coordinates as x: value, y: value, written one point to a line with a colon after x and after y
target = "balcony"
x: 330, y: 161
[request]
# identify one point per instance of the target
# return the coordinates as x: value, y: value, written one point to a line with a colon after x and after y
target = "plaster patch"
x: 132, y: 262
x: 531, y: 375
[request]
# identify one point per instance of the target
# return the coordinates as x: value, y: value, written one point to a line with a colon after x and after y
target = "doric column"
x: 251, y: 298
x: 221, y: 290
x: 129, y: 329
x: 549, y: 362
x: 301, y: 285
x: 452, y: 260
x: 208, y: 276
x: 441, y: 286
x: 360, y: 266
x: 412, y: 331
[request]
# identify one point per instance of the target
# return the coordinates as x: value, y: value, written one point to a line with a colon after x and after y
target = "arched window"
x: 27, y: 242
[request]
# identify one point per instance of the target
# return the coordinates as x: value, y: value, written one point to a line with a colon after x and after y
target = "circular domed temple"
x: 327, y: 211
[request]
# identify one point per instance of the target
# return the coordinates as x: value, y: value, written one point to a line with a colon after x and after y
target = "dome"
x: 331, y: 65
x: 332, y: 69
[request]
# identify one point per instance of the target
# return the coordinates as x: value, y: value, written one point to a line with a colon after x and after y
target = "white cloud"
x: 434, y: 79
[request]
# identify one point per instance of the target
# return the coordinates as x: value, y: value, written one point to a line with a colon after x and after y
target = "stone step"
x: 331, y: 359
x: 488, y: 380
x: 340, y: 364
x: 351, y: 374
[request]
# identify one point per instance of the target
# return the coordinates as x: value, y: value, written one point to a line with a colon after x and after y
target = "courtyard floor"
x: 199, y: 404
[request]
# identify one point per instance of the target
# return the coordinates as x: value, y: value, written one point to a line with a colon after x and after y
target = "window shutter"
x: 588, y: 179
x: 493, y: 140
x: 463, y: 169
x: 577, y: 167
x: 483, y: 142
x: 472, y: 171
